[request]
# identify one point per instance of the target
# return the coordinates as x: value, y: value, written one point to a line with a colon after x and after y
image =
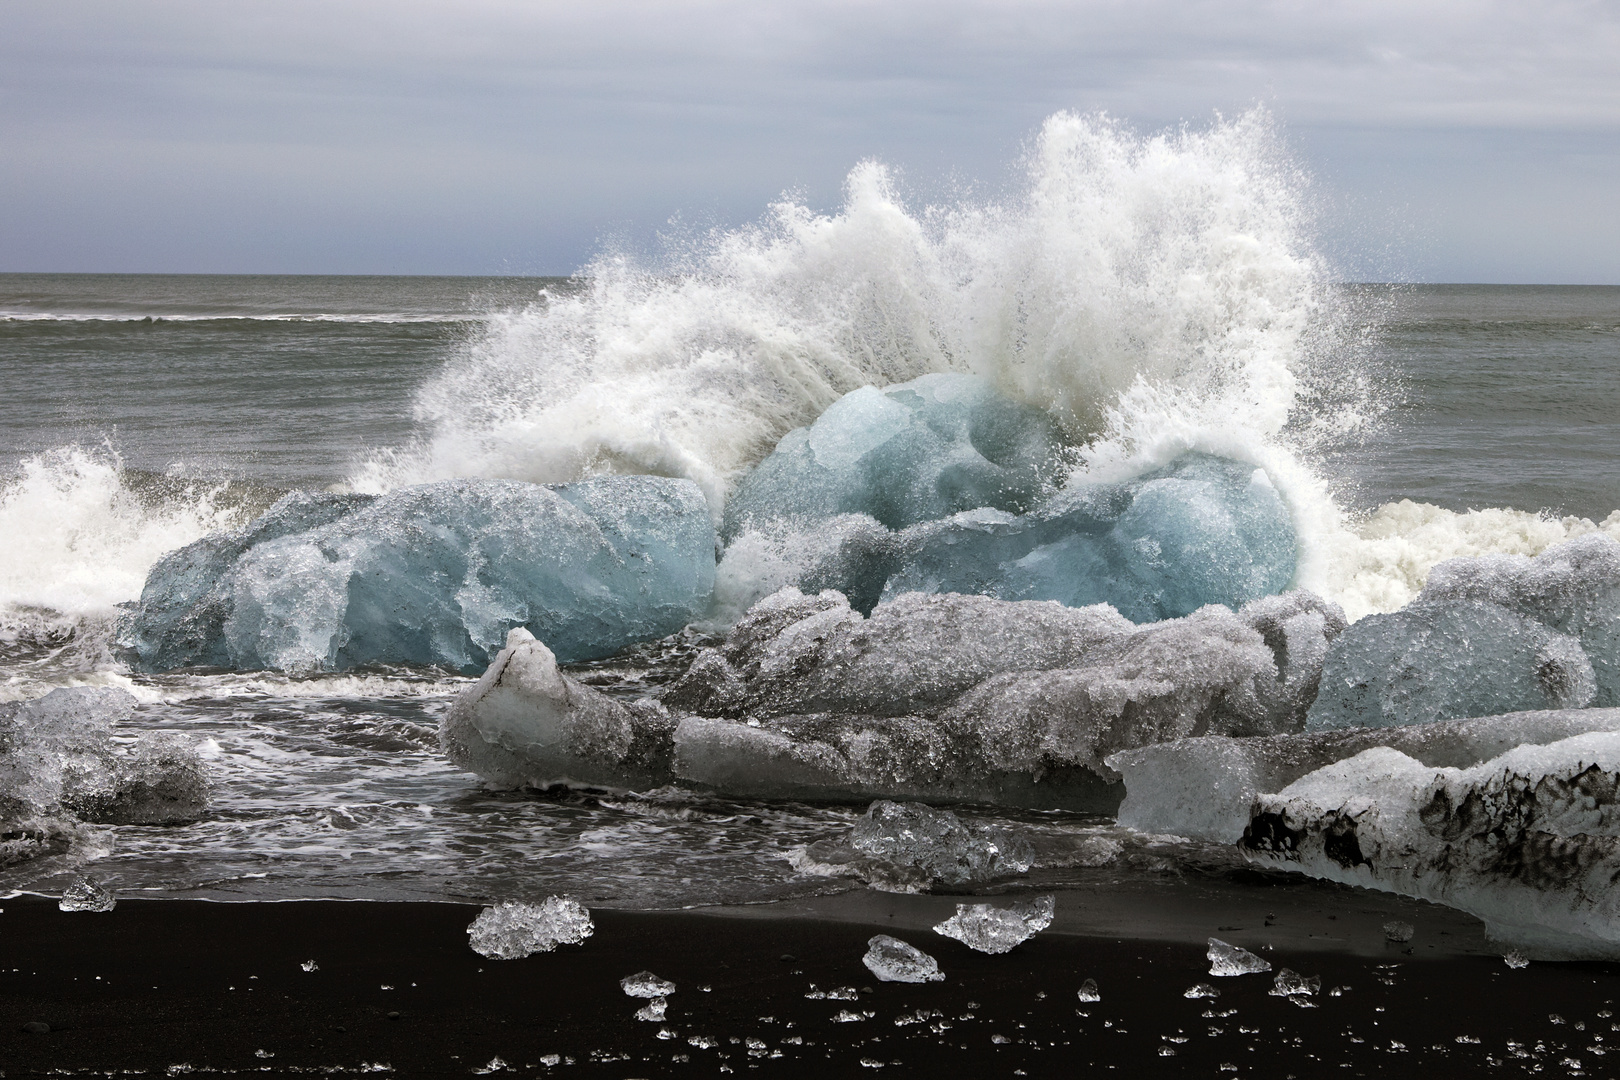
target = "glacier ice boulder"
x: 1528, y: 841
x: 915, y: 451
x: 1492, y: 634
x: 931, y: 698
x: 433, y: 574
x: 1206, y: 788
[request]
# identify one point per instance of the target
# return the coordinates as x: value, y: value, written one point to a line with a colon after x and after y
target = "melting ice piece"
x: 1088, y: 991
x: 644, y: 984
x: 87, y: 895
x: 916, y: 451
x: 1513, y: 958
x: 1398, y: 931
x: 1206, y: 787
x: 1289, y: 983
x: 310, y: 965
x: 1201, y: 990
x: 1227, y: 959
x: 511, y: 930
x: 1528, y: 841
x: 989, y: 929
x: 903, y: 847
x: 435, y: 574
x: 654, y: 1010
x: 1493, y: 634
x: 892, y: 960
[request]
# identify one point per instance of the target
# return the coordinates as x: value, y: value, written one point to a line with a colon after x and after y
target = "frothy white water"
x: 76, y: 539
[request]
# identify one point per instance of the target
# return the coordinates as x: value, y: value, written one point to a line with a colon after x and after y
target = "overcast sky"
x: 1449, y: 141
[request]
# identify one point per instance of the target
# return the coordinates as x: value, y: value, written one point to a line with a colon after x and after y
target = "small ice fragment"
x: 844, y: 1016
x: 1201, y: 990
x: 1227, y: 959
x: 495, y: 1065
x: 644, y: 984
x: 1167, y: 1051
x: 653, y: 1010
x: 86, y: 895
x: 1513, y: 958
x: 1289, y: 983
x: 990, y: 929
x: 512, y: 930
x: 1395, y: 930
x: 1088, y: 991
x: 310, y: 965
x: 892, y: 960
x: 702, y: 1042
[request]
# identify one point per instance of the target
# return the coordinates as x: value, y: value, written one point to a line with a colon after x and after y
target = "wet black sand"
x: 172, y: 987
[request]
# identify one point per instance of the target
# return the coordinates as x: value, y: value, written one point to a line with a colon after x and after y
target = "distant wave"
x: 316, y: 317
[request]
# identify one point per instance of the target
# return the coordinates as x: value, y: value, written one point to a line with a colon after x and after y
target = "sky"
x: 1447, y: 141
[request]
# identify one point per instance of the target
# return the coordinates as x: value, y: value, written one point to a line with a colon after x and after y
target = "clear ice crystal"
x: 87, y: 895
x: 1201, y: 990
x: 893, y: 960
x: 1513, y: 958
x: 433, y: 574
x: 654, y: 1010
x: 310, y: 965
x: 1398, y: 931
x: 512, y: 930
x: 1289, y: 983
x: 905, y: 847
x: 644, y: 984
x: 988, y: 929
x: 1227, y: 959
x: 1088, y: 991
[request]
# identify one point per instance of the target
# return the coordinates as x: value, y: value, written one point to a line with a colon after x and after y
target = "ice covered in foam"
x: 512, y: 930
x: 1528, y: 841
x: 893, y: 960
x: 1491, y: 634
x: 989, y: 929
x: 434, y: 574
x: 906, y: 847
x: 1205, y: 788
x: 957, y: 698
x: 64, y: 755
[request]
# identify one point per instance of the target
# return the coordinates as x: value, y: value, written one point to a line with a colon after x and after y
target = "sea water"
x: 1151, y: 296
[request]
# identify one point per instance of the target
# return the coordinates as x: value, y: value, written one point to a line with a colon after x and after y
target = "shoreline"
x: 173, y: 987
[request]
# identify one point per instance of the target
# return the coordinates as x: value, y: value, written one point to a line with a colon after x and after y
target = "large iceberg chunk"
x: 1206, y: 788
x: 1528, y: 841
x: 1493, y: 634
x: 916, y: 451
x: 1202, y: 530
x: 435, y: 574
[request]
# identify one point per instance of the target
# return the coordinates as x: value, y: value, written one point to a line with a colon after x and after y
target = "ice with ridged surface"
x: 644, y: 984
x: 87, y: 895
x: 906, y: 847
x: 433, y: 574
x: 1205, y: 788
x: 67, y: 754
x: 1229, y: 960
x: 989, y: 929
x: 914, y: 451
x: 1492, y: 634
x: 512, y: 930
x: 893, y: 960
x: 1528, y: 841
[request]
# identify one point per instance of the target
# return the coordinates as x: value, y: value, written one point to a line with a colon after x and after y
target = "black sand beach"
x: 172, y: 987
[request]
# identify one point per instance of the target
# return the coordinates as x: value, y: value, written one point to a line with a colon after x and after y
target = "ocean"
x: 1403, y: 424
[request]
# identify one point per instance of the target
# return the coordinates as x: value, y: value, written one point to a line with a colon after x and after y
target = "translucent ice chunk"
x: 1528, y: 841
x: 1088, y: 991
x: 1486, y: 635
x: 916, y: 451
x: 1515, y: 959
x: 435, y: 574
x: 654, y: 1010
x: 1288, y: 983
x: 903, y: 847
x: 892, y: 960
x: 1398, y: 931
x: 644, y: 984
x: 1227, y: 959
x: 1205, y: 787
x: 511, y: 930
x: 87, y: 895
x: 988, y: 929
x: 1201, y: 990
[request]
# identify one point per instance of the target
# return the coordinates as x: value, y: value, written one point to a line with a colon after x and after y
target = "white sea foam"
x: 76, y: 539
